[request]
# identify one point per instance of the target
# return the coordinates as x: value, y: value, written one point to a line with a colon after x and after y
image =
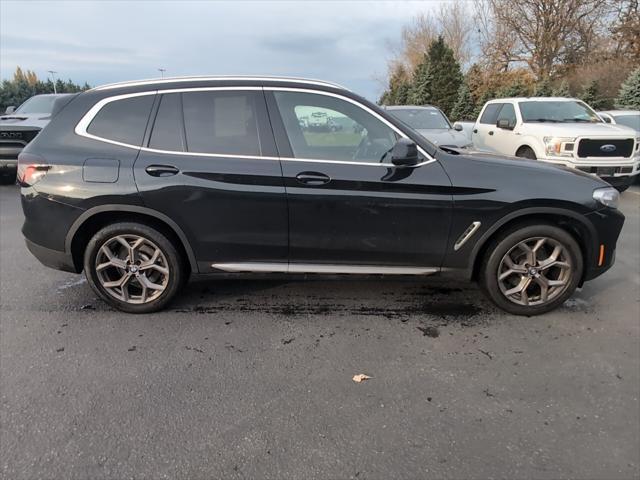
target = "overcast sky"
x: 105, y: 41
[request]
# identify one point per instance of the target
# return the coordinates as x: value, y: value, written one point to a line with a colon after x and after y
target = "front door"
x: 348, y: 204
x: 209, y: 163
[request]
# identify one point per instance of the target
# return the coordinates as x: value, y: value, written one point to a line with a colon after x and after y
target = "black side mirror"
x: 10, y: 110
x: 457, y: 127
x: 504, y: 123
x: 404, y: 153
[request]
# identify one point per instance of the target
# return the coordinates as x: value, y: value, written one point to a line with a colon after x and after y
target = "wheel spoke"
x: 521, y: 287
x: 118, y: 283
x: 544, y: 287
x: 531, y: 255
x: 146, y: 283
x: 113, y: 259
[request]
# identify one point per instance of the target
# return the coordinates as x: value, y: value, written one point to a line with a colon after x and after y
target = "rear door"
x: 350, y: 208
x: 210, y: 164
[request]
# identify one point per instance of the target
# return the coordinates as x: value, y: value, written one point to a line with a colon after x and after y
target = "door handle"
x: 313, y: 178
x: 475, y: 130
x: 161, y: 170
x: 490, y: 132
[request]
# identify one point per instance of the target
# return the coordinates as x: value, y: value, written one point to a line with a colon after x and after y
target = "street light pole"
x: 162, y: 70
x: 53, y: 75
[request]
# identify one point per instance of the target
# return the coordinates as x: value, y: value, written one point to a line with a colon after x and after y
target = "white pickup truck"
x: 565, y: 131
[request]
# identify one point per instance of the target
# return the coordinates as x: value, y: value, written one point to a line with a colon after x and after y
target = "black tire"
x: 526, y: 152
x: 172, y: 260
x: 504, y: 243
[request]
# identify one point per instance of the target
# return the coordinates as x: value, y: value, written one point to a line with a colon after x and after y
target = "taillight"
x: 31, y: 169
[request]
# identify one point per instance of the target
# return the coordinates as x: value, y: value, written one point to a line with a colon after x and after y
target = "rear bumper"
x: 52, y: 258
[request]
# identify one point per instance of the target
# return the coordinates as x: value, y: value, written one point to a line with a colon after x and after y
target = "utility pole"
x: 162, y: 70
x: 53, y: 75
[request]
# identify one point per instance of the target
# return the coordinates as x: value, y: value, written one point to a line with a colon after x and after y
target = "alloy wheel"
x: 535, y: 271
x: 132, y: 269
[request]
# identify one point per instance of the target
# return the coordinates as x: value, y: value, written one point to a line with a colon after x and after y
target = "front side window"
x: 507, y: 112
x: 328, y: 128
x: 123, y: 120
x: 222, y: 122
x: 558, y: 112
x: 422, y: 118
x: 490, y: 114
x: 632, y: 121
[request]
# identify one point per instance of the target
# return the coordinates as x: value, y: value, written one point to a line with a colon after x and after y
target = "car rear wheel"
x: 133, y: 267
x: 531, y: 269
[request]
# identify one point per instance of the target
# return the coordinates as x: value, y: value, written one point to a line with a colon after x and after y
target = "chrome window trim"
x: 284, y: 267
x: 85, y: 121
x: 159, y: 81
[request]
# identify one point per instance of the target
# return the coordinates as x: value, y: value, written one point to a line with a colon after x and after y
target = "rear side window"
x: 167, y: 129
x: 221, y: 122
x: 490, y: 114
x: 123, y: 120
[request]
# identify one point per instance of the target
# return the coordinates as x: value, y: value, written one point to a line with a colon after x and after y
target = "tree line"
x: 25, y: 84
x: 459, y: 57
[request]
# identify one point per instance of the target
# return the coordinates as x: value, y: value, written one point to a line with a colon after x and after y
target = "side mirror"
x: 404, y: 153
x: 10, y: 110
x: 504, y: 124
x: 606, y: 119
x: 457, y: 127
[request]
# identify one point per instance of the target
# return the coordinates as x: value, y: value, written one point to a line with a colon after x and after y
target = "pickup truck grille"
x: 589, y: 147
x: 12, y: 141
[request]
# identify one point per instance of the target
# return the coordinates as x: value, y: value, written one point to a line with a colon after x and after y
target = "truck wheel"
x: 133, y: 267
x: 526, y: 152
x: 531, y: 269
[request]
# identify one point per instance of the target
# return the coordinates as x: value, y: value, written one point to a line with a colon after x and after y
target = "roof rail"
x: 159, y: 81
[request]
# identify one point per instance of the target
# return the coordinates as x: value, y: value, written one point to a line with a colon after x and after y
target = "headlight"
x: 559, y: 146
x: 607, y: 196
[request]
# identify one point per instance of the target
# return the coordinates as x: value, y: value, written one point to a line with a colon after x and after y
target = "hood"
x: 445, y: 137
x: 577, y: 129
x: 24, y: 120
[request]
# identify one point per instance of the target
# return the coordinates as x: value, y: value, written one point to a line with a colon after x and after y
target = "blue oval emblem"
x: 608, y: 148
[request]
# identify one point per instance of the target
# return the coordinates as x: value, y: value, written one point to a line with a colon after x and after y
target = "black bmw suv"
x: 143, y: 184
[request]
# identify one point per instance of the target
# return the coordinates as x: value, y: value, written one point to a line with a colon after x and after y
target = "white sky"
x: 104, y: 41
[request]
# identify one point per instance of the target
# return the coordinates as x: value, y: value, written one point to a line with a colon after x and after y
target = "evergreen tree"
x: 402, y: 94
x: 397, y: 92
x: 421, y: 85
x: 464, y: 107
x: 543, y: 89
x: 592, y: 97
x: 629, y: 94
x: 486, y: 96
x: 516, y: 89
x: 562, y: 90
x: 444, y: 74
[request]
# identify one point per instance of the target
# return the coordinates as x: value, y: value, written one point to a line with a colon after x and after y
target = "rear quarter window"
x: 123, y: 120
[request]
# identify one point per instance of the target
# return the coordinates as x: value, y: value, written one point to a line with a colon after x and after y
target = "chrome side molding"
x: 466, y: 235
x: 259, y: 267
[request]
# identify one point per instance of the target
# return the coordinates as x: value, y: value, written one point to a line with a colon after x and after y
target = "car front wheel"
x: 133, y: 267
x: 531, y: 269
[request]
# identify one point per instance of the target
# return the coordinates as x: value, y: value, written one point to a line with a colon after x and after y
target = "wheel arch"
x: 92, y: 220
x: 526, y: 145
x: 574, y: 223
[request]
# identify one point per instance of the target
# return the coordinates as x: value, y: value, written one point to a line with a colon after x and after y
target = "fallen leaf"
x: 361, y: 377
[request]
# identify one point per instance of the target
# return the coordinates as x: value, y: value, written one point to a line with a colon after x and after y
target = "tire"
x: 151, y: 281
x: 526, y: 152
x: 565, y: 272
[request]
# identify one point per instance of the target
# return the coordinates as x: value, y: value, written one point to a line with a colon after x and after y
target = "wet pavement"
x: 253, y: 378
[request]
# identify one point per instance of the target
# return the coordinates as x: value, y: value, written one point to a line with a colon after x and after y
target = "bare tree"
x: 540, y: 33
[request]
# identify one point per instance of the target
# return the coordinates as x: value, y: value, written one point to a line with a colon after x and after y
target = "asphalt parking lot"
x: 253, y: 379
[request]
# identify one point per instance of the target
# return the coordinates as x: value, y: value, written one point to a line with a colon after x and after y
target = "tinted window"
x: 39, y: 104
x: 328, y: 128
x: 167, y: 128
x: 221, y: 122
x: 490, y: 114
x: 556, y: 111
x: 632, y: 121
x: 123, y: 120
x: 422, y: 118
x: 507, y: 112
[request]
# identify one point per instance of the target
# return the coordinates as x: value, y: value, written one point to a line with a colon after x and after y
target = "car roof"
x: 533, y: 99
x: 50, y: 95
x: 621, y: 112
x: 410, y: 107
x: 226, y: 78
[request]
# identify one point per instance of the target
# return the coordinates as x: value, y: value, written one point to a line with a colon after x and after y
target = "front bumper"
x: 607, y: 224
x: 604, y: 168
x: 8, y: 167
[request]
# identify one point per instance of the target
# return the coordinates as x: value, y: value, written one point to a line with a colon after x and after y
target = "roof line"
x: 157, y: 81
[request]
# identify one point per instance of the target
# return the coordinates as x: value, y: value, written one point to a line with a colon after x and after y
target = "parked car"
x: 466, y: 127
x: 431, y: 123
x: 628, y: 118
x: 145, y: 183
x: 562, y: 131
x: 18, y: 127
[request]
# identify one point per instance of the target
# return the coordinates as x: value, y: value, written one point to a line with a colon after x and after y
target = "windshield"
x: 632, y: 121
x: 558, y: 112
x: 422, y: 118
x: 37, y: 104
